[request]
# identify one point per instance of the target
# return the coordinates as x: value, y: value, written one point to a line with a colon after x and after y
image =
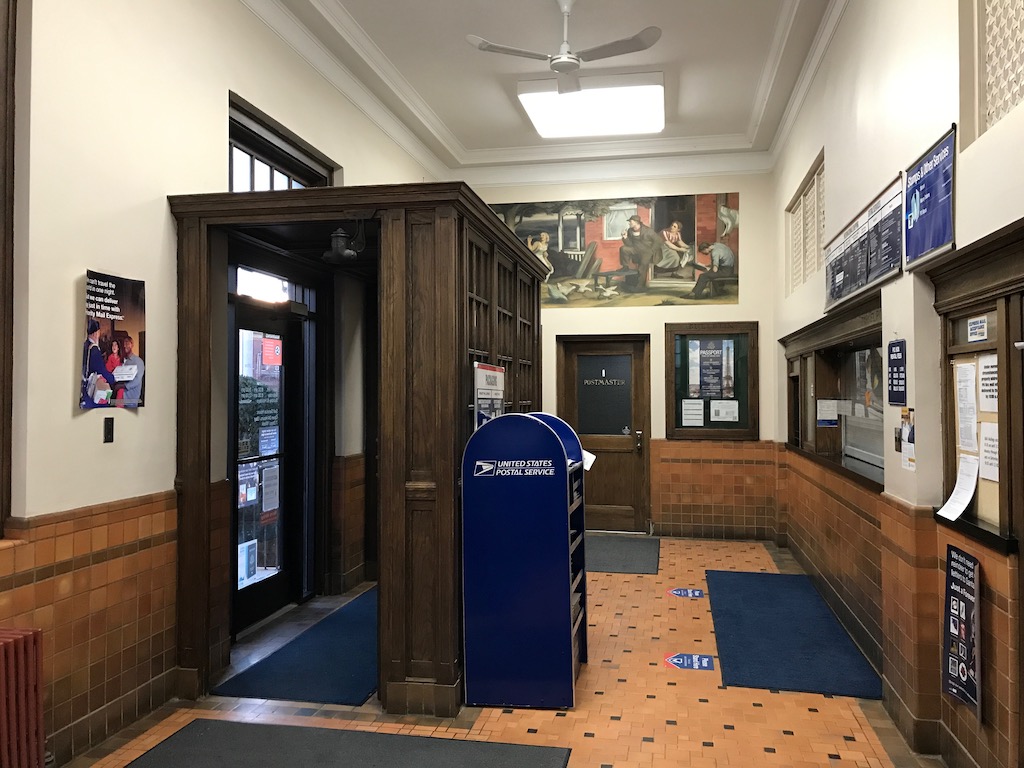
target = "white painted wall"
x: 757, y: 279
x: 887, y: 89
x: 117, y: 108
x: 350, y: 400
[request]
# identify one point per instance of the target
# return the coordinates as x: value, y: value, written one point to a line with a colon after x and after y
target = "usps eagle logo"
x: 484, y: 469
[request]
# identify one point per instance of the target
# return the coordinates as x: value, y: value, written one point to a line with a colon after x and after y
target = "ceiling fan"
x: 566, y: 62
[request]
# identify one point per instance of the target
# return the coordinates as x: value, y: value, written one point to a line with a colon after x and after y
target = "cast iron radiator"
x: 22, y: 737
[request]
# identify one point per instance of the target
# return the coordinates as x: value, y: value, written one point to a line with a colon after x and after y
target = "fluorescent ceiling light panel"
x: 616, y: 105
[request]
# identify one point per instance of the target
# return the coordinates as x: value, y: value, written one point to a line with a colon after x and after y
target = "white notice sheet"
x: 988, y: 370
x: 967, y: 405
x: 693, y: 413
x: 725, y: 410
x: 989, y: 451
x: 963, y: 492
x: 271, y: 488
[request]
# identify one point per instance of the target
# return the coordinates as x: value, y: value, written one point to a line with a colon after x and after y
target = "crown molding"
x: 833, y: 15
x: 283, y: 23
x: 783, y: 27
x: 621, y: 170
x: 660, y: 157
x: 348, y: 28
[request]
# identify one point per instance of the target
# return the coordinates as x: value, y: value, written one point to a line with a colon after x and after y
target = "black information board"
x: 869, y: 250
x: 898, y: 372
x: 961, y: 656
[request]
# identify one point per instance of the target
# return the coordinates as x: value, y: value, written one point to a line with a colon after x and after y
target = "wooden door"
x: 604, y: 394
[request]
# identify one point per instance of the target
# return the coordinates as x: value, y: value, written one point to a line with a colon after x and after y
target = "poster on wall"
x: 489, y: 389
x: 961, y: 665
x: 868, y: 251
x: 929, y: 195
x: 112, y: 364
x: 712, y: 365
x: 633, y: 252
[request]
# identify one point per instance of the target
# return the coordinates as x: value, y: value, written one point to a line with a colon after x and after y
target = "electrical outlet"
x: 108, y: 429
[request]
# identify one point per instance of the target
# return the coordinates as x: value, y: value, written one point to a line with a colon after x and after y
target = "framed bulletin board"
x: 974, y: 411
x: 711, y: 384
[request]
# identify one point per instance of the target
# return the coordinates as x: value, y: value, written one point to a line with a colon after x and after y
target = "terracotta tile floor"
x: 633, y: 708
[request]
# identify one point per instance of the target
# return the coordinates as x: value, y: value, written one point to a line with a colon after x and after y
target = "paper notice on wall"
x: 827, y: 413
x: 909, y: 457
x: 844, y: 407
x: 963, y: 492
x: 989, y: 451
x: 693, y: 413
x: 967, y: 406
x: 988, y: 371
x: 725, y: 410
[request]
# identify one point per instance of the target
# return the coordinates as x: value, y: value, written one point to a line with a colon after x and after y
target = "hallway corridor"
x: 633, y: 709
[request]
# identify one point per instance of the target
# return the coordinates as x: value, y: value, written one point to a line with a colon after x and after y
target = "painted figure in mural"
x: 641, y: 247
x: 674, y: 252
x: 540, y: 247
x: 729, y: 217
x: 97, y: 381
x: 723, y: 264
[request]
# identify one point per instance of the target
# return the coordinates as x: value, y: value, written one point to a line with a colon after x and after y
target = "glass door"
x: 261, y: 467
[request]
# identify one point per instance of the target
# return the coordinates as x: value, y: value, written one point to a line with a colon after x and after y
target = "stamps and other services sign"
x: 929, y: 202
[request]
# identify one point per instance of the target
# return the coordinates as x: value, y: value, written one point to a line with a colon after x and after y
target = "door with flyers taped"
x: 268, y: 467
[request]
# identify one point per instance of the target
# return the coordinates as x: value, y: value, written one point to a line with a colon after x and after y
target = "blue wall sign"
x: 691, y: 661
x: 929, y: 206
x: 898, y: 372
x: 686, y: 592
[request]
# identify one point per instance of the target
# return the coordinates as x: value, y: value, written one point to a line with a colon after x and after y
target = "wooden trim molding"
x: 8, y: 16
x: 418, y: 411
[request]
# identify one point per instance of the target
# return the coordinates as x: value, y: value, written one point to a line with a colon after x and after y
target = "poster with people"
x: 633, y: 252
x: 114, y: 348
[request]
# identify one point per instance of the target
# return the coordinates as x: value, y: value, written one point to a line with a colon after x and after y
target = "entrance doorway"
x: 604, y: 394
x: 273, y: 506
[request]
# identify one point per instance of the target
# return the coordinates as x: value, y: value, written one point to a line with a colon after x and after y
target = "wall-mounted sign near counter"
x: 929, y: 195
x: 961, y: 652
x: 868, y: 250
x: 898, y: 372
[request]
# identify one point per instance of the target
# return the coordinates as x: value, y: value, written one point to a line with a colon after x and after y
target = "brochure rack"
x: 523, y: 562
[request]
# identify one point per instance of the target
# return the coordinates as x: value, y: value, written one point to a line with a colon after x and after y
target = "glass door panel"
x: 260, y: 378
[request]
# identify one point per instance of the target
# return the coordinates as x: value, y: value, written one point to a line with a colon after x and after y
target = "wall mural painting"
x: 633, y: 252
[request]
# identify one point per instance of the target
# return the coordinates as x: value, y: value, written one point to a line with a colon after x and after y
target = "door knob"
x: 639, y: 441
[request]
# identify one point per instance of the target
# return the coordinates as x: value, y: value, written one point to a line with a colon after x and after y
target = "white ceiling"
x: 732, y: 69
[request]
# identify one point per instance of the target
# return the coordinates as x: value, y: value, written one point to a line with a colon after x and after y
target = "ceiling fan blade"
x: 641, y: 41
x: 487, y: 45
x: 568, y: 82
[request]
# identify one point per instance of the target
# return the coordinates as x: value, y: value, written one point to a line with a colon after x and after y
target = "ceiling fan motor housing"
x: 565, y: 62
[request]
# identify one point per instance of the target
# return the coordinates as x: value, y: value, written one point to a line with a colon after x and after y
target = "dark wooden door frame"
x: 8, y: 21
x: 422, y: 250
x: 562, y: 342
